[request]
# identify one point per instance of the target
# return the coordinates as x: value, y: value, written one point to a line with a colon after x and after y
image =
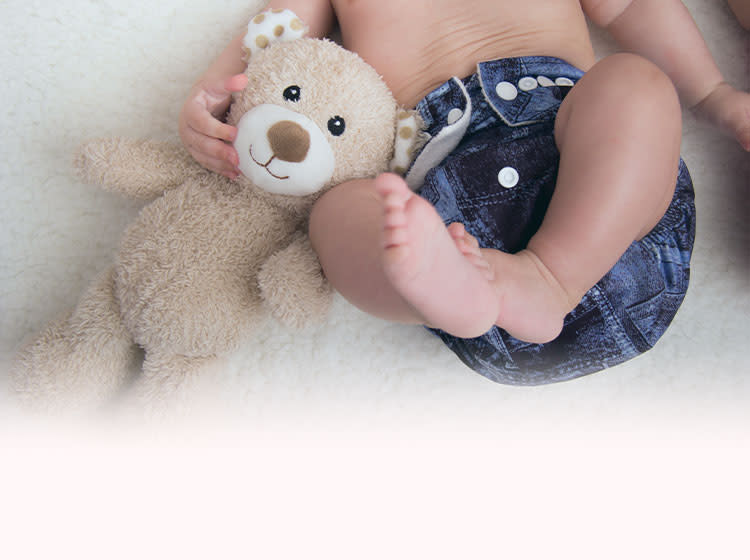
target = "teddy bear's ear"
x: 271, y: 26
x: 408, y: 141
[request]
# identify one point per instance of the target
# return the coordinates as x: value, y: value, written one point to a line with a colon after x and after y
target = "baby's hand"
x: 201, y: 131
x: 729, y: 110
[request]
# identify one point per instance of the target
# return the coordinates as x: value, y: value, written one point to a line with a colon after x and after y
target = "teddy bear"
x: 207, y: 256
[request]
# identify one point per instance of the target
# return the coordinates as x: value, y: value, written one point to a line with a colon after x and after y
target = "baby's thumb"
x: 220, y: 92
x: 238, y: 82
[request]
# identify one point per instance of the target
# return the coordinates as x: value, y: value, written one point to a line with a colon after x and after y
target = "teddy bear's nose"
x: 289, y: 141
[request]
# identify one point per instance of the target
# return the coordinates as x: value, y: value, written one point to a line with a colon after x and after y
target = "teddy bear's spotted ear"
x: 408, y: 141
x: 271, y: 26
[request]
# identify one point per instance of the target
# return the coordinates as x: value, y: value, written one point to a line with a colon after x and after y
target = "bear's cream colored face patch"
x: 283, y: 152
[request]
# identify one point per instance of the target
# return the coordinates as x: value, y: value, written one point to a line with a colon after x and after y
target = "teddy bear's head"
x: 312, y: 115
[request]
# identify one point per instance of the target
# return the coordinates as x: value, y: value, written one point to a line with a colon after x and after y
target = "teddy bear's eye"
x: 336, y: 126
x: 292, y: 93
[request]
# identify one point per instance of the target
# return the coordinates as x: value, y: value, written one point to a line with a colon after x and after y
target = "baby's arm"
x: 202, y: 132
x: 664, y: 32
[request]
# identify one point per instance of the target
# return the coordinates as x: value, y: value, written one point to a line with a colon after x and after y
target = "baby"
x: 741, y: 10
x: 569, y: 213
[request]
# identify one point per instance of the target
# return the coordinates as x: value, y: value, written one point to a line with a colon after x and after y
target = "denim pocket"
x: 500, y: 216
x: 591, y: 341
x: 652, y: 316
x: 667, y: 263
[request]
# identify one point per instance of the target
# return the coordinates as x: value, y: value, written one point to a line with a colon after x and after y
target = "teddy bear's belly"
x: 186, y: 276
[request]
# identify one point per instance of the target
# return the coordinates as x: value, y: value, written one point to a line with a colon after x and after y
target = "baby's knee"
x: 647, y: 86
x: 341, y: 210
x: 340, y: 202
x: 638, y: 94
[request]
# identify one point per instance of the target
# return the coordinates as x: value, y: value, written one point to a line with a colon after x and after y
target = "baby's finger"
x: 217, y: 165
x: 206, y: 124
x: 211, y: 147
x: 211, y: 153
x: 220, y: 90
x: 235, y: 83
x: 216, y: 96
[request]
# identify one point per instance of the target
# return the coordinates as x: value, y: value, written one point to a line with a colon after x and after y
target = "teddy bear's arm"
x: 141, y: 169
x: 292, y: 284
x: 408, y: 141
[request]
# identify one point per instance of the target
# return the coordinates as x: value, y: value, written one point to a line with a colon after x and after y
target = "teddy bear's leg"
x: 168, y: 377
x: 80, y: 361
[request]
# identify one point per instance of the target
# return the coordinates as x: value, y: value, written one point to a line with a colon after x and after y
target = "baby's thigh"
x: 619, y: 131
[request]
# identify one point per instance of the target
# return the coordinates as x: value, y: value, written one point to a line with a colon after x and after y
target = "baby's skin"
x: 741, y: 9
x: 387, y: 251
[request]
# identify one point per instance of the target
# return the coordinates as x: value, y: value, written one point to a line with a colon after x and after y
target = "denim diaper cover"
x: 491, y: 163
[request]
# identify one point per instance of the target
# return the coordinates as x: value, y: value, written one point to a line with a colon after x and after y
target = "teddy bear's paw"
x: 408, y: 141
x: 90, y: 159
x: 171, y: 384
x: 300, y: 309
x: 270, y: 27
x: 292, y: 284
x: 140, y: 169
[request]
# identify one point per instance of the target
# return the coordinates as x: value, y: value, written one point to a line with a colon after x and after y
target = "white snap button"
x: 564, y: 82
x: 506, y: 91
x: 454, y: 115
x: 508, y: 177
x: 544, y: 81
x: 527, y: 84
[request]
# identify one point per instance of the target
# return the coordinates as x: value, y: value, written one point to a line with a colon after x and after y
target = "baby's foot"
x: 440, y: 272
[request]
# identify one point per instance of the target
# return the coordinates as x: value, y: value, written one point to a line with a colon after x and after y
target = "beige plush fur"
x: 207, y: 256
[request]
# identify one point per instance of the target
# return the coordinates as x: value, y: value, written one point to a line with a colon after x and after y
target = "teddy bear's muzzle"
x: 289, y: 141
x: 283, y: 152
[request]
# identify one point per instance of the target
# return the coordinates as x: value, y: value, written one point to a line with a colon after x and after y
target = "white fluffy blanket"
x: 358, y: 439
x: 77, y: 69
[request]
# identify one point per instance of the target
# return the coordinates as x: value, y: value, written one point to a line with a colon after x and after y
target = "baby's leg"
x: 618, y: 132
x: 387, y: 251
x: 741, y: 9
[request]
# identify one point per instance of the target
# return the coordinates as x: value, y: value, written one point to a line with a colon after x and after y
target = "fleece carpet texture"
x: 78, y: 69
x: 357, y: 438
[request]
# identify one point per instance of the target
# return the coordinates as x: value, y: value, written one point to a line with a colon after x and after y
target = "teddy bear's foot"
x: 169, y: 380
x: 79, y: 362
x: 293, y: 286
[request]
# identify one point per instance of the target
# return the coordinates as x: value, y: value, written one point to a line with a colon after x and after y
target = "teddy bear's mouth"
x: 265, y: 165
x: 283, y: 152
